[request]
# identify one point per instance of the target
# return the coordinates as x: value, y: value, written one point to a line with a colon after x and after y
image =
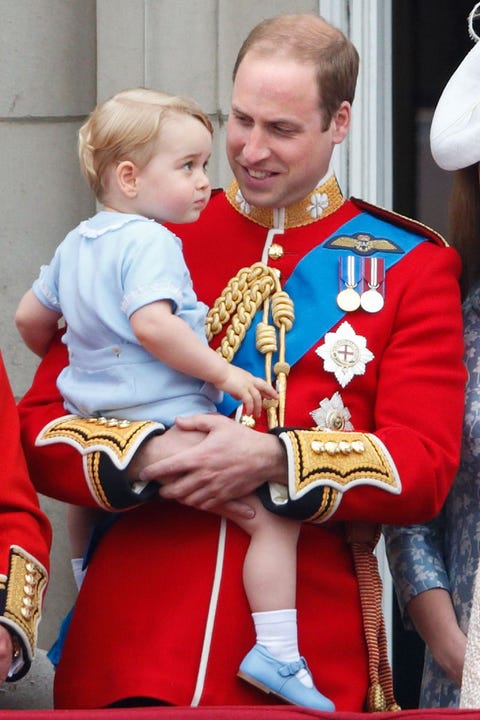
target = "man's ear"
x: 341, y: 122
x: 126, y: 175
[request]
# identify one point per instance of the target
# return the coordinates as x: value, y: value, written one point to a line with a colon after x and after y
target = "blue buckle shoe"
x: 261, y: 669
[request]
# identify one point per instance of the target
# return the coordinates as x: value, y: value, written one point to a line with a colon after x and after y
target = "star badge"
x: 332, y: 414
x: 345, y: 354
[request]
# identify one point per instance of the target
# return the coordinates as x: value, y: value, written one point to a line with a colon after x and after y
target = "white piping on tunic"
x: 278, y: 229
x: 212, y: 610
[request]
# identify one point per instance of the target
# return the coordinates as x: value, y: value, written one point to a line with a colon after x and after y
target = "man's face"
x: 275, y: 143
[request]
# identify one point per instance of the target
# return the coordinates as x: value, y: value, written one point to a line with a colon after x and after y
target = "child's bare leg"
x: 80, y: 523
x: 270, y: 566
x: 270, y: 578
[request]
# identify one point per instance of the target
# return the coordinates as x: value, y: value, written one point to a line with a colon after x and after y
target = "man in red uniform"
x: 366, y: 431
x: 25, y: 537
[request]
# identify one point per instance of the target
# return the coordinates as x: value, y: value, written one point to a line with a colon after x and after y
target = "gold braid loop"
x: 231, y: 297
x: 238, y: 303
x: 244, y: 294
x: 282, y: 310
x: 266, y: 339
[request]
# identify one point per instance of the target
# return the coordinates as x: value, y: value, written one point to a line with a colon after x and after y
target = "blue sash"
x: 314, y: 279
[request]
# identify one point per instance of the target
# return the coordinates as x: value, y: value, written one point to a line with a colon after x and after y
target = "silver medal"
x: 348, y: 300
x: 372, y: 301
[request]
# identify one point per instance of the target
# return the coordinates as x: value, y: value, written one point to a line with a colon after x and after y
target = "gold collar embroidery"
x: 321, y: 202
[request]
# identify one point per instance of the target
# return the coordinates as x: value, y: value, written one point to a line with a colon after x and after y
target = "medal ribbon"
x: 373, y: 272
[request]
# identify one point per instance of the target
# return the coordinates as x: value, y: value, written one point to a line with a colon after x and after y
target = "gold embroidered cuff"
x: 21, y: 596
x: 107, y: 446
x: 322, y: 465
x: 119, y: 439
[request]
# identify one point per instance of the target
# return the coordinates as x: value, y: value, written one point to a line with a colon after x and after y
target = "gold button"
x: 275, y: 251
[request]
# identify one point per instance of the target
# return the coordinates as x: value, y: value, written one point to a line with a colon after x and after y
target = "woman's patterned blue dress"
x: 445, y: 552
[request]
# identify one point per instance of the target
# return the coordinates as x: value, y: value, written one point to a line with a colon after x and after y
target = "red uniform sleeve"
x: 25, y: 535
x: 419, y: 410
x: 399, y: 468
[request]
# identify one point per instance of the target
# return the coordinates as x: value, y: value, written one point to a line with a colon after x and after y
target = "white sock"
x: 276, y: 630
x: 78, y: 573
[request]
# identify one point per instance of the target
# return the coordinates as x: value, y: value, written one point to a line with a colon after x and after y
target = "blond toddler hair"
x: 127, y: 127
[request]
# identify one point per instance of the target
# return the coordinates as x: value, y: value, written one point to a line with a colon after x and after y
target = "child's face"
x: 174, y: 186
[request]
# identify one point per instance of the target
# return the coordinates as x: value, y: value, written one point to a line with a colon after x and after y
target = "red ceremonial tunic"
x: 162, y: 611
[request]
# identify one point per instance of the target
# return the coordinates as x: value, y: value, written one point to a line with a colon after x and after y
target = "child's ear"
x: 126, y: 174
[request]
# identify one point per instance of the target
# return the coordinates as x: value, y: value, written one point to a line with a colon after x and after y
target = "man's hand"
x: 6, y: 653
x: 229, y: 463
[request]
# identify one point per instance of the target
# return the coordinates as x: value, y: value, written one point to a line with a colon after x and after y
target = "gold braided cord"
x: 243, y: 295
x: 251, y: 288
x: 283, y: 317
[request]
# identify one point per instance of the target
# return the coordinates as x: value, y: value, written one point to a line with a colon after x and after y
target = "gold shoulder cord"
x: 242, y: 297
x: 238, y: 303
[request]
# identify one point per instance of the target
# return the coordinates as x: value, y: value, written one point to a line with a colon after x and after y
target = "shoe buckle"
x: 291, y: 668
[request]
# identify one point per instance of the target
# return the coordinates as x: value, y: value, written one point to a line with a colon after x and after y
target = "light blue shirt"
x: 106, y: 269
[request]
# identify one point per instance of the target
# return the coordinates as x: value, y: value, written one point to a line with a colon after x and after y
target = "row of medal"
x: 361, y: 284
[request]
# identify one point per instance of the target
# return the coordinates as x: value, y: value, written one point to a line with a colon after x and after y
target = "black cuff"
x: 118, y: 488
x: 121, y: 493
x: 301, y: 509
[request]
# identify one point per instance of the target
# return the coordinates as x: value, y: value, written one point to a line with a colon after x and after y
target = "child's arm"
x: 171, y: 340
x: 36, y: 323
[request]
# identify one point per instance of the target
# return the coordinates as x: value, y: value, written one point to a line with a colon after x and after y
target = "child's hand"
x: 251, y: 390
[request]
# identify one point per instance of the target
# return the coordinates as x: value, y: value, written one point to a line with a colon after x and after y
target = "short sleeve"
x: 154, y: 269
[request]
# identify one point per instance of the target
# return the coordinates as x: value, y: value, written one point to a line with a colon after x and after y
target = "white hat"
x: 455, y: 130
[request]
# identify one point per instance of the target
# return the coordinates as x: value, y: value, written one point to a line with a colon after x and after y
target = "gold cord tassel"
x: 363, y: 538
